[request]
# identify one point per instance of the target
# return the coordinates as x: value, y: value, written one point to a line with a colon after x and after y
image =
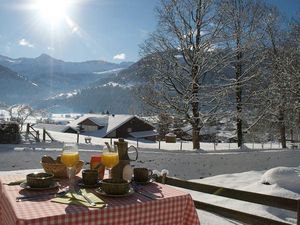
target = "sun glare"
x: 53, y: 11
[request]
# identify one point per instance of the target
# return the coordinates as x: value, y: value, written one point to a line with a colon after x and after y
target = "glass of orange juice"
x: 110, y: 157
x: 70, y: 158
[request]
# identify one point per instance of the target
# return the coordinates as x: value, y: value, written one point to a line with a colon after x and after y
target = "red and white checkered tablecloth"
x: 173, y: 207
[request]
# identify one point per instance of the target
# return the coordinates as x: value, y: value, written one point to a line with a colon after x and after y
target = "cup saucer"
x: 24, y: 185
x: 83, y: 185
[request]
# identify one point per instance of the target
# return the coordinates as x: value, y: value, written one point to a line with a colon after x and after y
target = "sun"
x: 52, y: 11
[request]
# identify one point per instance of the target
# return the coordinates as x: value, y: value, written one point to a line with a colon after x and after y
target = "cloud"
x: 120, y: 56
x: 24, y: 42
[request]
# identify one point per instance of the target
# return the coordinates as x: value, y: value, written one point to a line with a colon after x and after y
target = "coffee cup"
x: 142, y: 174
x: 90, y: 177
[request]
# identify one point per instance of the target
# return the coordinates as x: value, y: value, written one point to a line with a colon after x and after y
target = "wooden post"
x: 137, y: 142
x: 298, y: 212
x: 44, y: 135
x: 180, y: 144
x: 27, y: 128
x: 78, y: 137
x: 38, y: 136
x: 159, y: 144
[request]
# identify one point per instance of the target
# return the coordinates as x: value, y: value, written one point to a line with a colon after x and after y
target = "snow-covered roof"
x: 100, y: 121
x: 52, y: 127
x: 96, y: 118
x: 143, y: 134
x: 110, y: 123
x: 116, y: 121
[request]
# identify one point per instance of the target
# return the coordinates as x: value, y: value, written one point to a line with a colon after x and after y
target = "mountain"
x: 15, y: 88
x: 115, y: 99
x: 55, y: 76
x: 45, y: 63
x: 113, y: 92
x: 138, y: 72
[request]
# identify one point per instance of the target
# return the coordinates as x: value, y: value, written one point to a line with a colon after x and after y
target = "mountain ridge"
x: 55, y: 76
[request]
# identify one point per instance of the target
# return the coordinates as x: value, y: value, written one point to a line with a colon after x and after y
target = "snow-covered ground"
x: 244, y: 169
x: 284, y: 182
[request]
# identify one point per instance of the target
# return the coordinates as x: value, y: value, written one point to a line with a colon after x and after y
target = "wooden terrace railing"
x: 46, y: 133
x: 36, y: 134
x: 251, y: 197
x: 33, y: 132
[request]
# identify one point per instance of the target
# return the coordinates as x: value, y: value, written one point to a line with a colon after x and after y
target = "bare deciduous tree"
x: 281, y: 70
x: 182, y: 55
x: 20, y: 113
x: 241, y: 32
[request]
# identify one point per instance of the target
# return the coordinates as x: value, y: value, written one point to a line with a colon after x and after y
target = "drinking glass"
x: 110, y: 157
x: 70, y: 158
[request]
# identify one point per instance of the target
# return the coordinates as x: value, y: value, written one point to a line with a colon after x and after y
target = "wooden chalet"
x: 115, y: 126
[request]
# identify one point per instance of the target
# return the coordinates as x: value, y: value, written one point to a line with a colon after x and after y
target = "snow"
x: 287, y: 178
x: 252, y: 181
x: 65, y: 95
x: 34, y: 84
x: 115, y: 84
x: 109, y: 71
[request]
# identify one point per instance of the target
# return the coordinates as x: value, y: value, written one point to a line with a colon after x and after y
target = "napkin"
x: 76, y: 199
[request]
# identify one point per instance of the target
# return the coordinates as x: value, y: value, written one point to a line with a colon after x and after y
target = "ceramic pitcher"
x: 124, y: 160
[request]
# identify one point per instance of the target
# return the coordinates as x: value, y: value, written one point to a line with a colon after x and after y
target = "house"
x: 115, y: 126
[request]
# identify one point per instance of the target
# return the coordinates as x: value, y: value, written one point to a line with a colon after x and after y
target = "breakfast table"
x: 155, y: 203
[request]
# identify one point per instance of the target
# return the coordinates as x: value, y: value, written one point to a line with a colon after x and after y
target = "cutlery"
x: 143, y: 192
x: 78, y: 191
x: 148, y: 195
x: 33, y: 197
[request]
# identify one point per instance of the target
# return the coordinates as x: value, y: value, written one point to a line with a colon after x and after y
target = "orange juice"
x: 110, y: 159
x: 70, y: 159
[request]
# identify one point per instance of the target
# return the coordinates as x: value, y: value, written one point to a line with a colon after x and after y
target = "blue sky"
x: 109, y: 30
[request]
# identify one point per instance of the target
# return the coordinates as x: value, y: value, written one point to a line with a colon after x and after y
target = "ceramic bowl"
x: 39, y: 180
x: 115, y: 187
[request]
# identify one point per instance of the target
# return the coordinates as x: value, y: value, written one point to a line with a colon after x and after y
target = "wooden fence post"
x: 298, y: 212
x: 38, y: 136
x: 44, y: 135
x: 78, y: 137
x: 27, y: 128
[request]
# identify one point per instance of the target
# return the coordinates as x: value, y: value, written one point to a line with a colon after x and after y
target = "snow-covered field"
x: 244, y: 169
